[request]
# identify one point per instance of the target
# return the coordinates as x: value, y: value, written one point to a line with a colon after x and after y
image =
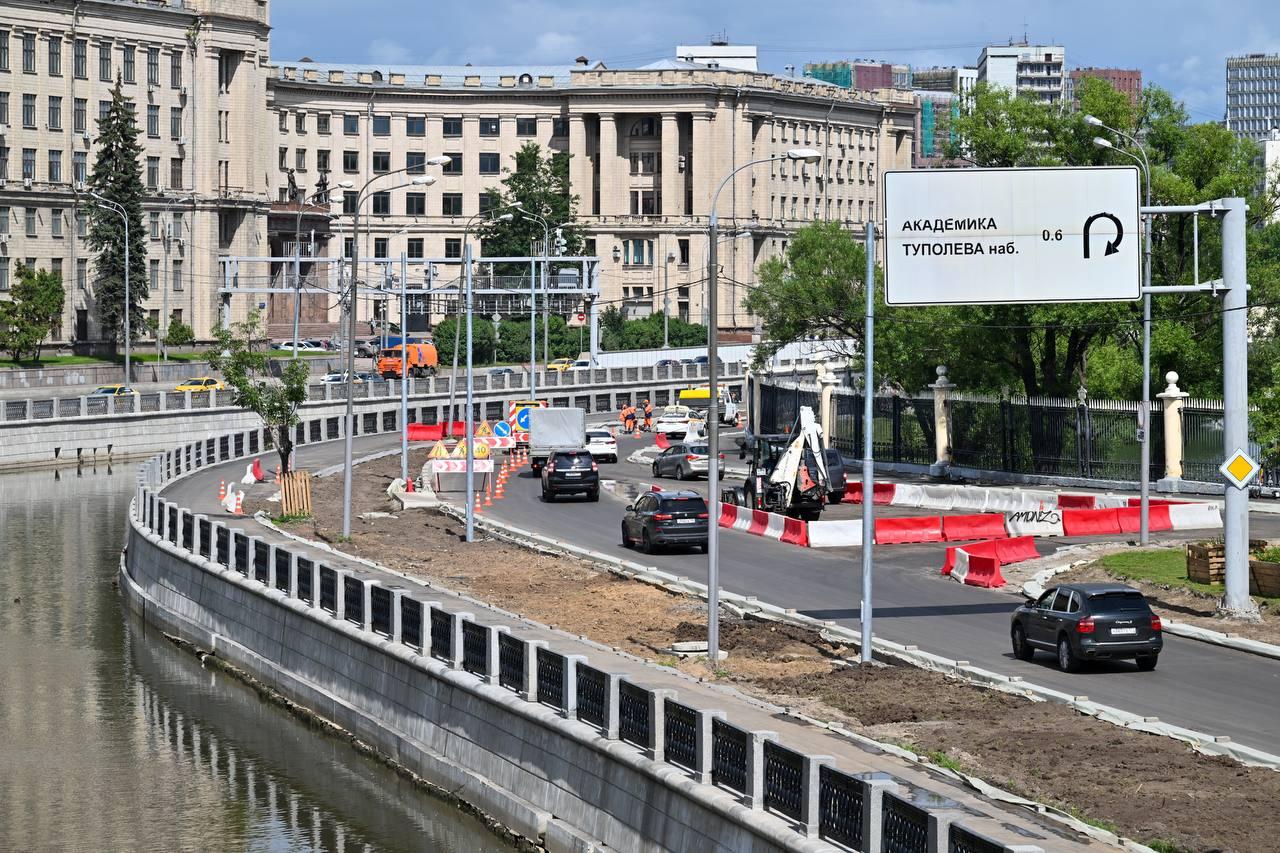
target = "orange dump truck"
x: 421, y: 358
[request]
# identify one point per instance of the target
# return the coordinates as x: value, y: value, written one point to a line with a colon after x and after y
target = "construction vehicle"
x: 786, y: 473
x: 421, y: 358
x: 700, y: 398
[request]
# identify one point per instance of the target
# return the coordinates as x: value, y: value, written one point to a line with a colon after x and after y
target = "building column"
x: 672, y: 179
x: 610, y: 203
x: 579, y: 163
x: 700, y: 161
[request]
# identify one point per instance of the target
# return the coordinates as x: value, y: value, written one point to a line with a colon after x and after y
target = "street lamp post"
x: 128, y: 307
x: 807, y: 155
x: 297, y: 261
x: 423, y: 180
x: 533, y: 310
x: 162, y: 330
x: 1145, y: 445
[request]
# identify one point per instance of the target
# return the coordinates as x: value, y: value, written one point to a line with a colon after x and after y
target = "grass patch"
x: 52, y: 361
x: 941, y: 759
x: 291, y: 519
x: 1161, y: 846
x: 1168, y: 567
x: 1093, y: 821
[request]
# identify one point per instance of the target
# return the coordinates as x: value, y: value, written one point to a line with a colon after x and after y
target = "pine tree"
x: 541, y: 184
x: 117, y: 176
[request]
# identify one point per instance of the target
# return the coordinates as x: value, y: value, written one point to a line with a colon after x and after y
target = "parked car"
x: 687, y: 361
x: 339, y: 377
x: 571, y: 472
x: 560, y: 364
x: 501, y: 371
x: 659, y: 519
x: 682, y: 461
x: 667, y: 362
x: 676, y: 421
x: 303, y: 346
x: 1088, y: 621
x: 113, y: 391
x: 581, y: 364
x: 602, y: 445
x: 836, y: 476
x: 368, y: 347
x: 200, y: 383
x: 703, y: 359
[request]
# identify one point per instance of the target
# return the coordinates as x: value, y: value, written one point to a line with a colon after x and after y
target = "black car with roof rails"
x: 658, y: 519
x: 1088, y: 621
x: 571, y: 472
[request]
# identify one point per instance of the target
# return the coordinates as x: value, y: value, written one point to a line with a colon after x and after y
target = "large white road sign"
x: 987, y: 236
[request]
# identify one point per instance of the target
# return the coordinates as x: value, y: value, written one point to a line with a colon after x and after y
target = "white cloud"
x: 383, y: 51
x: 555, y: 47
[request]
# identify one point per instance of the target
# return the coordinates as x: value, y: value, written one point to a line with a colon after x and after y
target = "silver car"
x: 682, y: 461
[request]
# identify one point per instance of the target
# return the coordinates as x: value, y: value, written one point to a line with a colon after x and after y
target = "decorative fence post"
x: 828, y: 380
x: 1172, y: 397
x: 941, y: 421
x: 755, y: 768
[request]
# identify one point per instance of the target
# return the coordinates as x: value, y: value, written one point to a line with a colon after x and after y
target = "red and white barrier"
x: 1194, y: 516
x: 835, y: 534
x: 987, y: 525
x: 896, y: 531
x: 757, y: 522
x: 1034, y: 522
x: 977, y: 570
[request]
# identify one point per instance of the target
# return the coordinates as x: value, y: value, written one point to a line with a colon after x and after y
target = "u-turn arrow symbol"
x: 1113, y: 246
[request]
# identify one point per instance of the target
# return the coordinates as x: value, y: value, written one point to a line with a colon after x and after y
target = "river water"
x: 113, y: 739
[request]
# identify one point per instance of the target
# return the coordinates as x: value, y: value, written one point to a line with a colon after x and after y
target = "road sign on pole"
x: 992, y: 236
x: 1239, y: 469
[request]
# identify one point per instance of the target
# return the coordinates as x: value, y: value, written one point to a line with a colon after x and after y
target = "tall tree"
x: 117, y: 176
x: 541, y: 184
x: 29, y: 315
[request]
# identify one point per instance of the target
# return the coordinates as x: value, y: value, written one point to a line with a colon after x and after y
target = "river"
x: 112, y: 738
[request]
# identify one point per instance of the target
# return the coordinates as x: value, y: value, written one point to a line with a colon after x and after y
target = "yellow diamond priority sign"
x: 1239, y: 469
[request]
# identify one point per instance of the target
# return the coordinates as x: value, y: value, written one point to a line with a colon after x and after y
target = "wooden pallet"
x: 295, y: 493
x: 1206, y: 563
x: 1264, y: 578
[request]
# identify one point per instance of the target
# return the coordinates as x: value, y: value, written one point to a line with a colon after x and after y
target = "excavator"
x: 787, y: 472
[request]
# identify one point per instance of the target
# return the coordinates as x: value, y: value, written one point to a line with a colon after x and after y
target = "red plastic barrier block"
x: 986, y: 525
x: 1016, y: 550
x: 1090, y: 522
x: 795, y: 532
x: 981, y: 549
x: 1155, y: 502
x: 1076, y: 501
x: 728, y: 513
x: 950, y: 562
x: 984, y: 572
x: 1131, y: 518
x: 457, y: 428
x: 853, y: 493
x: 661, y: 440
x: 896, y: 531
x: 882, y: 493
x: 426, y: 432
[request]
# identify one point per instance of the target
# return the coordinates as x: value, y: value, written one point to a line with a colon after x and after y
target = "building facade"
x: 1025, y: 69
x: 1253, y: 95
x: 861, y: 74
x: 1125, y: 80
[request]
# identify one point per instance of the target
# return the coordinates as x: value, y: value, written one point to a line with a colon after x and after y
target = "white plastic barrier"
x: 971, y: 499
x: 907, y: 494
x: 835, y: 534
x: 961, y: 568
x: 941, y: 498
x: 1194, y: 516
x: 1034, y: 522
x: 1110, y: 501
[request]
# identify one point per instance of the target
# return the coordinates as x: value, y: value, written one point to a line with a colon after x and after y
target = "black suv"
x: 570, y: 471
x: 1088, y: 621
x: 666, y: 518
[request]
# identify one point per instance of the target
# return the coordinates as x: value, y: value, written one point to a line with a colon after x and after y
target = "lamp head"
x: 346, y: 185
x: 423, y: 181
x: 516, y: 205
x: 1093, y: 121
x: 439, y: 160
x: 1102, y: 143
x: 808, y: 155
x: 506, y: 217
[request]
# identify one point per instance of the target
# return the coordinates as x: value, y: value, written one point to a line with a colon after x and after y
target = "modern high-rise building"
x: 1253, y: 95
x: 862, y: 74
x: 956, y: 80
x: 1125, y: 80
x: 1026, y: 69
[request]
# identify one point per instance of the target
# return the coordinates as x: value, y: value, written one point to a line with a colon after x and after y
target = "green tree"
x: 240, y: 354
x: 33, y: 309
x: 540, y: 183
x: 179, y: 334
x: 483, y: 345
x: 117, y: 177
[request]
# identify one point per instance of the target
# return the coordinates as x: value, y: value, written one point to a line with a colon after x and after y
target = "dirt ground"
x: 1143, y: 786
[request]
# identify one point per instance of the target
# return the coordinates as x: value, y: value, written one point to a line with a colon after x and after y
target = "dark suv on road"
x: 666, y: 518
x: 569, y: 472
x: 1088, y: 621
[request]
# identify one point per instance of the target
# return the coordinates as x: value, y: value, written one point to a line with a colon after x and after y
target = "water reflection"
x: 113, y: 739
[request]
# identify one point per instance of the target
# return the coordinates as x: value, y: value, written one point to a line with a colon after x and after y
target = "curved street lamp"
x: 128, y: 307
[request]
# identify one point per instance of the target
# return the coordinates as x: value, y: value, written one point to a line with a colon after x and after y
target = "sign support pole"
x: 868, y: 442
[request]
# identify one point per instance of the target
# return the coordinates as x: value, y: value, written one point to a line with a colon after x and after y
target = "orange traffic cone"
x: 222, y: 490
x: 408, y: 486
x: 479, y: 502
x: 636, y: 434
x: 501, y: 492
x: 239, y: 503
x: 488, y: 494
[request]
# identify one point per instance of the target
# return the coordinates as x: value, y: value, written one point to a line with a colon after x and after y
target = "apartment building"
x: 1128, y: 81
x: 1253, y: 95
x: 190, y: 68
x: 1026, y: 69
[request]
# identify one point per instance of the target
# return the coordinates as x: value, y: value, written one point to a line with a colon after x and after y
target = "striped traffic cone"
x: 501, y: 491
x: 222, y: 490
x: 479, y: 502
x: 488, y: 493
x: 239, y: 503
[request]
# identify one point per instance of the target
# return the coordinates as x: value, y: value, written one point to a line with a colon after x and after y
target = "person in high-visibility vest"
x: 629, y: 418
x: 625, y: 415
x: 648, y: 416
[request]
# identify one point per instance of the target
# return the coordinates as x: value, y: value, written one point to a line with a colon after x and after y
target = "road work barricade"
x: 1076, y: 501
x: 426, y: 432
x: 1131, y: 519
x: 835, y: 534
x: 982, y: 526
x: 1034, y: 522
x: 1003, y: 551
x: 905, y: 494
x: 977, y: 570
x: 896, y: 531
x: 883, y: 493
x: 661, y: 440
x: 1194, y: 516
x: 1090, y: 522
x: 941, y: 498
x: 770, y: 525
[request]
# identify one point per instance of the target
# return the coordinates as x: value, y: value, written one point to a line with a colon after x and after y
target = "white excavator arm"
x: 808, y: 436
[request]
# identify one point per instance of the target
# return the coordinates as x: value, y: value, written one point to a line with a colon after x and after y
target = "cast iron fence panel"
x: 221, y: 546
x: 328, y: 589
x: 353, y: 599
x: 389, y: 421
x: 331, y: 428
x: 633, y: 714
x: 224, y: 447
x: 840, y: 807
x: 510, y: 662
x: 306, y: 568
x: 783, y: 779
x: 550, y: 678
x: 314, y: 428
x: 188, y: 531
x: 282, y: 569
x: 369, y: 423
x: 253, y: 442
x: 261, y: 554
x: 171, y: 533
x: 592, y: 702
x: 242, y: 553
x: 474, y: 654
x: 380, y: 610
x: 681, y: 735
x: 441, y: 634
x: 961, y: 840
x: 1202, y: 444
x: 904, y: 827
x: 206, y: 537
x: 411, y: 622
x: 728, y: 756
x: 237, y: 442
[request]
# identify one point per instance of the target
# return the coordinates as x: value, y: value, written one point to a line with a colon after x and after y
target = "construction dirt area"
x: 1153, y: 789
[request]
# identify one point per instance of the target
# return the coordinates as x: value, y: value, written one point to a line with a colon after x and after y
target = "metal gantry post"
x: 533, y: 328
x: 868, y: 443
x: 404, y: 369
x: 713, y: 448
x: 470, y: 416
x: 351, y: 371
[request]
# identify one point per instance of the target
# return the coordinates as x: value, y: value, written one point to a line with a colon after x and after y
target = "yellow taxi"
x: 560, y: 364
x: 113, y: 391
x: 200, y: 383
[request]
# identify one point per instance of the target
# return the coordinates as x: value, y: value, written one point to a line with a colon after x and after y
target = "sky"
x: 1179, y: 45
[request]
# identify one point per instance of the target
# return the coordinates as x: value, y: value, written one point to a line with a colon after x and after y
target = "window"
x: 300, y: 122
x: 175, y: 122
x: 322, y: 161
x: 29, y: 111
x: 452, y: 127
x: 153, y: 219
x: 415, y: 162
x: 487, y: 202
x: 380, y: 247
x: 382, y: 125
x: 4, y: 167
x: 415, y: 126
x: 683, y: 245
x: 644, y: 126
x: 489, y: 164
x: 80, y: 53
x: 351, y: 124
x: 55, y: 166
x: 382, y: 161
x: 80, y: 167
x: 348, y: 246
x: 55, y: 267
x: 454, y: 166
x: 414, y: 248
x: 55, y: 112
x: 175, y: 277
x: 644, y: 203
x: 4, y: 220
x: 30, y: 220
x: 349, y: 202
x: 559, y: 126
x: 28, y: 53
x: 300, y: 159
x: 415, y: 204
x: 175, y: 70
x: 153, y: 66
x: 82, y: 273
x: 4, y: 260
x: 79, y: 116
x: 4, y: 50
x: 153, y: 277
x: 451, y: 204
x: 645, y: 162
x: 382, y: 204
x: 282, y: 120
x: 526, y: 127
x: 453, y: 247
x: 489, y: 127
x: 4, y: 107
x: 153, y: 121
x: 282, y: 159
x: 104, y: 62
x: 29, y: 164
x: 322, y: 123
x: 175, y: 226
x: 130, y: 69
x: 350, y: 161
x: 637, y: 252
x: 175, y: 173
x: 104, y: 107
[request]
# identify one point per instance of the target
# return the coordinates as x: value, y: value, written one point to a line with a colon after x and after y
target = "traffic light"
x: 560, y: 245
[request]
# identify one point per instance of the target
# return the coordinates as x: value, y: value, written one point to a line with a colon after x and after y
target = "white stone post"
x: 827, y: 379
x: 1172, y: 399
x: 941, y: 421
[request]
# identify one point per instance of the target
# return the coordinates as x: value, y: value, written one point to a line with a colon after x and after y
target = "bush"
x: 179, y: 334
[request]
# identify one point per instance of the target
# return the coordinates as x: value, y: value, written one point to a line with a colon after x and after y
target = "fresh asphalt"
x: 1210, y: 689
